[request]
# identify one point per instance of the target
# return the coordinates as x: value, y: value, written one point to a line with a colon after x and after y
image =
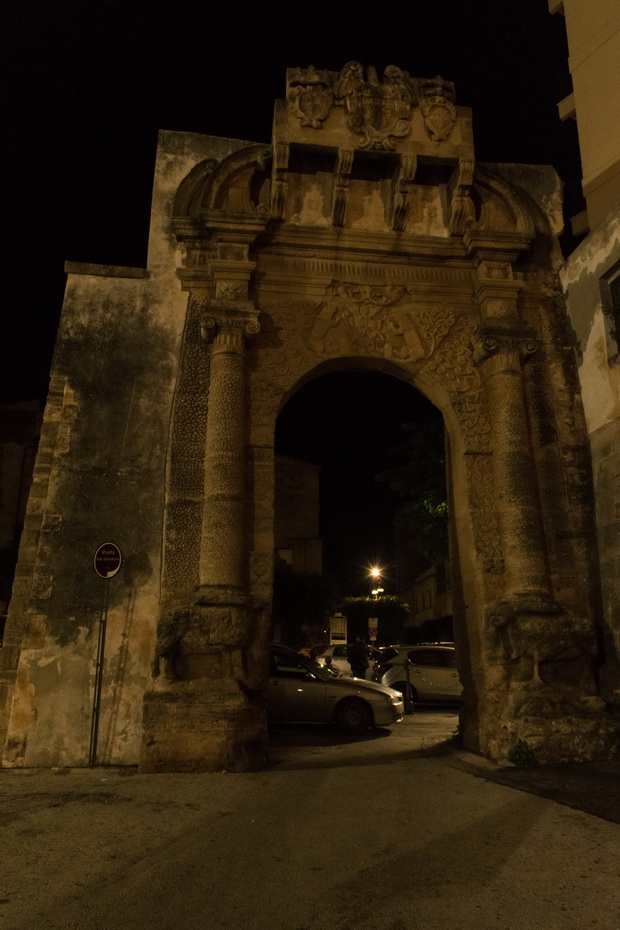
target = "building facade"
x: 365, y: 237
x: 591, y: 281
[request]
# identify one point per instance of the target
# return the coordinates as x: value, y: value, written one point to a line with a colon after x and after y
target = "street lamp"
x: 375, y: 575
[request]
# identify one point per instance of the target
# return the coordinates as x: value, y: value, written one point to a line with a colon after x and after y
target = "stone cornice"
x: 287, y: 237
x: 281, y: 272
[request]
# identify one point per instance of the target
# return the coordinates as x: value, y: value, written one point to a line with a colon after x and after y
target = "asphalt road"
x: 396, y: 831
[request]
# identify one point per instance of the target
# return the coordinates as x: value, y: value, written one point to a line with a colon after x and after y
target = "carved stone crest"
x: 378, y: 111
x: 437, y: 108
x: 309, y: 94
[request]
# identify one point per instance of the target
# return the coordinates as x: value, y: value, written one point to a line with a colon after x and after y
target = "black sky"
x: 87, y: 85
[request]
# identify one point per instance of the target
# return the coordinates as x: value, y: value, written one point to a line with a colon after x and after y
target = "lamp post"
x: 373, y: 622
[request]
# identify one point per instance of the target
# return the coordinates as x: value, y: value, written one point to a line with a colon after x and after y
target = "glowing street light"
x: 375, y: 574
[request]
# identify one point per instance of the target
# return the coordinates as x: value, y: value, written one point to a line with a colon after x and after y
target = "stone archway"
x: 368, y: 232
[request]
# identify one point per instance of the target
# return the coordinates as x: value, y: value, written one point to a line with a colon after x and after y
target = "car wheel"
x: 353, y: 717
x: 402, y: 687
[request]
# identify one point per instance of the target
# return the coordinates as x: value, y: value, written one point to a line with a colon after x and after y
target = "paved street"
x: 397, y: 831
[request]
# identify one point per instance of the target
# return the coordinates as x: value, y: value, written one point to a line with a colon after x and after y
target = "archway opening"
x: 339, y: 442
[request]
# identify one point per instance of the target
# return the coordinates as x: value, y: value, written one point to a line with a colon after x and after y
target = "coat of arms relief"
x: 378, y: 111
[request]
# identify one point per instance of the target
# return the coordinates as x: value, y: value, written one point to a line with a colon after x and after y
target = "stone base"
x: 555, y: 729
x: 202, y: 731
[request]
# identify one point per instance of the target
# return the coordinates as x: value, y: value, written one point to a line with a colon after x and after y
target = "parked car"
x: 300, y: 690
x: 337, y: 656
x: 433, y: 672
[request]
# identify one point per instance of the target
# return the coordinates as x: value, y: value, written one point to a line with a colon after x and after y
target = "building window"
x: 610, y: 291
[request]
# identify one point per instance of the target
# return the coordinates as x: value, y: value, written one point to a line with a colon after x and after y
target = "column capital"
x: 230, y: 316
x: 502, y: 336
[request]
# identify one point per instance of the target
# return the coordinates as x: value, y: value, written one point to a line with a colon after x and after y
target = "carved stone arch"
x: 236, y: 185
x: 190, y: 191
x: 500, y: 206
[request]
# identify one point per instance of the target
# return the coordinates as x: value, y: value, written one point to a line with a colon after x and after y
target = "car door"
x: 341, y: 659
x: 434, y: 674
x: 294, y: 694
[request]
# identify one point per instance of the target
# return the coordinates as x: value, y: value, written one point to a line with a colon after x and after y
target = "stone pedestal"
x: 202, y: 731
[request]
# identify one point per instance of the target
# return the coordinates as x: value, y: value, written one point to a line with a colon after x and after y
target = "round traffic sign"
x: 107, y: 560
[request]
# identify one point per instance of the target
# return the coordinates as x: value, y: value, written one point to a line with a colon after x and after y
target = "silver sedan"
x: 301, y: 691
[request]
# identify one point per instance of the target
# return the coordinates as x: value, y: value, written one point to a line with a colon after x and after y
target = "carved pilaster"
x: 497, y: 284
x: 402, y: 188
x: 341, y: 186
x: 461, y: 207
x: 279, y: 182
x: 499, y: 350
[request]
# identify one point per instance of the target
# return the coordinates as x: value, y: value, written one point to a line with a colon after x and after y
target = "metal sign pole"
x: 408, y: 695
x: 107, y: 562
x: 94, y: 728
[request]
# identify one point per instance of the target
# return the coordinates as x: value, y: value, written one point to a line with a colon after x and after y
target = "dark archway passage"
x: 349, y: 423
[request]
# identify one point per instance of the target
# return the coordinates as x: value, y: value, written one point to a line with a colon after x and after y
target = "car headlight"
x: 396, y: 698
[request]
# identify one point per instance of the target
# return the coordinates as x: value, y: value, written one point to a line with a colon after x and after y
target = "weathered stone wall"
x: 584, y: 277
x: 100, y: 476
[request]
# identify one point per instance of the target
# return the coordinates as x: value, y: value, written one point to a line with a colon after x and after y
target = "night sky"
x: 87, y: 85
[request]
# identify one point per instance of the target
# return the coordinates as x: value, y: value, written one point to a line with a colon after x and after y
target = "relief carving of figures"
x: 378, y: 111
x: 437, y: 108
x: 309, y: 95
x: 375, y: 320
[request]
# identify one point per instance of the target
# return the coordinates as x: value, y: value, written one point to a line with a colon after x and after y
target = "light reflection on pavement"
x: 428, y: 731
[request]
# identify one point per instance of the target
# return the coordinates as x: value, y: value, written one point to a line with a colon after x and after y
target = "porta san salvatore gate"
x: 365, y: 237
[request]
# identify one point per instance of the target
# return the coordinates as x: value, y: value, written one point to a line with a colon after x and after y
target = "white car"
x: 433, y: 673
x: 301, y: 691
x: 337, y: 657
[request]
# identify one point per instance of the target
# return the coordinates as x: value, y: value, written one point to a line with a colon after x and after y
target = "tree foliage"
x: 390, y: 612
x: 300, y: 599
x: 420, y: 482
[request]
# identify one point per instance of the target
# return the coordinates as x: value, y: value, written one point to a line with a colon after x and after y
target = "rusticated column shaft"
x: 222, y: 555
x: 513, y: 464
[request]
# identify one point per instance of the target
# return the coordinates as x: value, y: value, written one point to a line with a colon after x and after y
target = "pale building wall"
x: 593, y: 31
x: 583, y: 276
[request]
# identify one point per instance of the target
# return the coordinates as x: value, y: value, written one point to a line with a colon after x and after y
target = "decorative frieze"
x: 272, y: 267
x: 482, y: 501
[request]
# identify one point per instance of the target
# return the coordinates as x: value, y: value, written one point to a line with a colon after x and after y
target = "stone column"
x: 222, y: 557
x: 206, y: 709
x: 503, y: 343
x: 537, y: 688
x: 501, y: 346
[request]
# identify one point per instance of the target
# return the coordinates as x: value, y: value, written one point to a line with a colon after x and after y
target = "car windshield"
x: 388, y: 653
x: 295, y: 660
x: 321, y: 671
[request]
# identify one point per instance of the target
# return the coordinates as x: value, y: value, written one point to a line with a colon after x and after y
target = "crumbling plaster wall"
x: 598, y: 360
x: 100, y: 476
